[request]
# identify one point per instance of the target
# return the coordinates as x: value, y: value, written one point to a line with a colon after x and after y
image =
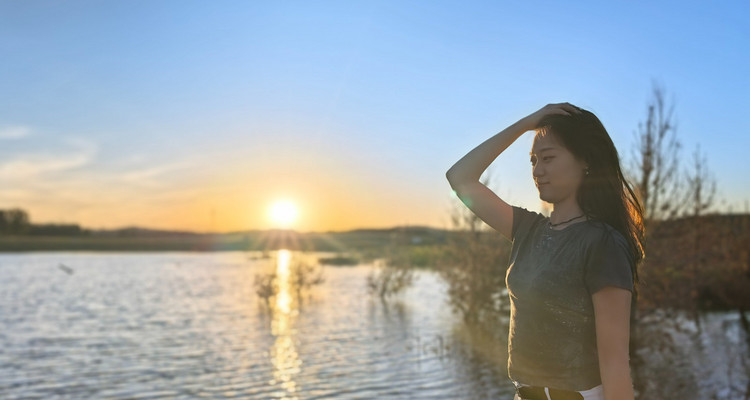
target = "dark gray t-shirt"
x: 550, y: 278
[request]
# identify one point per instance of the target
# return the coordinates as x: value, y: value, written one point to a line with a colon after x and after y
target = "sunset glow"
x: 206, y: 127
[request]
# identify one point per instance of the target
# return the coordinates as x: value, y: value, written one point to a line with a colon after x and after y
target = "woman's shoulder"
x: 525, y: 221
x: 598, y: 230
x: 521, y: 214
x: 524, y: 210
x: 600, y: 233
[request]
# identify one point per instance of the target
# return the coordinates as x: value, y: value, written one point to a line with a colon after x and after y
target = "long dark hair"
x: 604, y: 194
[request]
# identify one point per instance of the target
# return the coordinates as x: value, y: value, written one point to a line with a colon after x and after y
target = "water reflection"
x: 284, y: 356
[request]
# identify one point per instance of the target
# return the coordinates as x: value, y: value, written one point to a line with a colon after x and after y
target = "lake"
x: 190, y: 325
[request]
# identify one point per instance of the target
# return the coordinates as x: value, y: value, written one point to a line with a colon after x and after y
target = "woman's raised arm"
x: 464, y: 175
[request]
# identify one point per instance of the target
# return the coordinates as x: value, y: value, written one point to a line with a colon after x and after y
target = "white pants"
x: 595, y: 393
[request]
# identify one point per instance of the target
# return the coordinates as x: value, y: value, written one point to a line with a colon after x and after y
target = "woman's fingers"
x: 566, y: 109
x: 573, y: 108
x: 569, y: 109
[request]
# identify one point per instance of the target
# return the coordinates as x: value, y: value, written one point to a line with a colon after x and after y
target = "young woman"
x: 572, y: 277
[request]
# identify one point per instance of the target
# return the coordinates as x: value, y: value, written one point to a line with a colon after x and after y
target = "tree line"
x: 16, y: 221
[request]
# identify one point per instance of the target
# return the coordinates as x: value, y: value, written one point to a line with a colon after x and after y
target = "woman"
x: 572, y: 277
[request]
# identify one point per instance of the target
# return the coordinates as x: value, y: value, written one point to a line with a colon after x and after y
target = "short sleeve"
x: 523, y: 220
x: 608, y: 263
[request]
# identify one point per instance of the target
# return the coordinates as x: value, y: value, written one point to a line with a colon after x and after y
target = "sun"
x: 283, y: 213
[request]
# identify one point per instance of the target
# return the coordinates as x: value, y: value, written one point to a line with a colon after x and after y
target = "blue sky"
x: 156, y: 113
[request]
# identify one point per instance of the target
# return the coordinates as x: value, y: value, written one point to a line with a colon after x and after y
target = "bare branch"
x: 654, y: 167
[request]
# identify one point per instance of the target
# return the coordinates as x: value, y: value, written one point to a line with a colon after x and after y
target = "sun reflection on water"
x: 284, y: 356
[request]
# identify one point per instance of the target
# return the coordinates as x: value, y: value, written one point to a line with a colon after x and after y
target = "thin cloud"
x: 14, y: 132
x: 149, y: 176
x: 34, y: 165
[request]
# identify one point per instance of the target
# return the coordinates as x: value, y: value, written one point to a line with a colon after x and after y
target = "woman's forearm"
x: 471, y: 166
x: 616, y: 381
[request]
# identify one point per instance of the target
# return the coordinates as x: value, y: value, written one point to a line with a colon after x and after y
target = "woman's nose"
x: 537, y: 170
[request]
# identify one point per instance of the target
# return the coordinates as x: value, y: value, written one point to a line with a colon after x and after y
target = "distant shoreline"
x: 365, y: 239
x: 61, y: 243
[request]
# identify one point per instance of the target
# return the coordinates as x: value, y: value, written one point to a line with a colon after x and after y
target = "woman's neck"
x: 564, y: 211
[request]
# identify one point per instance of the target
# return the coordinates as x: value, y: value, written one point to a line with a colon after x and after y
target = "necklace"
x: 548, y: 242
x: 560, y: 223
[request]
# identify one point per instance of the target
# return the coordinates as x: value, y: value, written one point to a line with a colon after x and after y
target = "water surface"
x: 189, y: 325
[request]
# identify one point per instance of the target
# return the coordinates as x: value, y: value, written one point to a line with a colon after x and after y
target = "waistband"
x: 546, y: 393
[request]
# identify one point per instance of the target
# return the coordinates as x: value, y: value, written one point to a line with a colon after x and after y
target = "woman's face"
x: 557, y: 173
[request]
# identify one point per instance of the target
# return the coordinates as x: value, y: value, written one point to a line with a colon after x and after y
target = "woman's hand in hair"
x: 533, y: 119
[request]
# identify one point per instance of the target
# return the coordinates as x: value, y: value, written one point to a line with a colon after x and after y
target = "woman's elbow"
x: 450, y: 175
x: 454, y: 179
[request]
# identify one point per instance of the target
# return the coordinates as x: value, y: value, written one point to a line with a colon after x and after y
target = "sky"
x: 202, y: 115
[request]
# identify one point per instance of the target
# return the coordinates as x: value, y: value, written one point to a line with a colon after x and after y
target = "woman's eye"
x: 547, y: 158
